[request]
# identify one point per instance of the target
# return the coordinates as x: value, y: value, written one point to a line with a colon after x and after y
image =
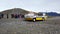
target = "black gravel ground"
x: 19, y: 26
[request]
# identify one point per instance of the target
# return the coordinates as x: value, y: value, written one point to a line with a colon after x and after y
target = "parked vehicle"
x: 34, y: 17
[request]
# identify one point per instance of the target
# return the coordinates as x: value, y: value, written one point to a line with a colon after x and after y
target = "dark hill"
x: 53, y: 14
x: 15, y: 11
x: 50, y: 13
x: 8, y: 13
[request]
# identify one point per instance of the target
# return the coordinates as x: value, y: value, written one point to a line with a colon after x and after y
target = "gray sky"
x: 31, y: 5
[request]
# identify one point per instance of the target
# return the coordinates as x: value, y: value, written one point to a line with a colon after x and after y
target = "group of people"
x: 12, y: 16
x: 17, y: 16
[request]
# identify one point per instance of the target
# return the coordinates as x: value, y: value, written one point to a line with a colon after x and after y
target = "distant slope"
x: 15, y: 11
x: 53, y: 14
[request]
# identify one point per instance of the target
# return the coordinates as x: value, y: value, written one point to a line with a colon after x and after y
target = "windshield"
x: 40, y: 14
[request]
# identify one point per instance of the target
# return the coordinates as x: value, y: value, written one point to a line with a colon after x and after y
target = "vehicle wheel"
x: 34, y: 20
x: 43, y: 19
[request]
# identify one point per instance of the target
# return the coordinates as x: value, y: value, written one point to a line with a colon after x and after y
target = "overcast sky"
x: 31, y: 5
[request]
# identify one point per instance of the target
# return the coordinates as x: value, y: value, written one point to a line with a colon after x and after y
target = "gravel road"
x: 20, y: 26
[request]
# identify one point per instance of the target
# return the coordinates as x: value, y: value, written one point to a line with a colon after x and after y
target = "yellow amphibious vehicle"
x: 34, y: 17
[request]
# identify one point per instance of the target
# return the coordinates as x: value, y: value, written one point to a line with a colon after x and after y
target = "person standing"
x: 2, y: 15
x: 7, y: 16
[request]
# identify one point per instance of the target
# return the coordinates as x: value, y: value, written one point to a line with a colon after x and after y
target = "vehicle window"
x: 40, y: 14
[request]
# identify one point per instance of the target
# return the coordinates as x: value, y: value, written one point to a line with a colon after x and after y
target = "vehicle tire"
x: 43, y: 19
x: 34, y: 20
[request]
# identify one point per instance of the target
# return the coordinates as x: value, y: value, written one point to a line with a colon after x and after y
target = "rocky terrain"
x: 20, y: 26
